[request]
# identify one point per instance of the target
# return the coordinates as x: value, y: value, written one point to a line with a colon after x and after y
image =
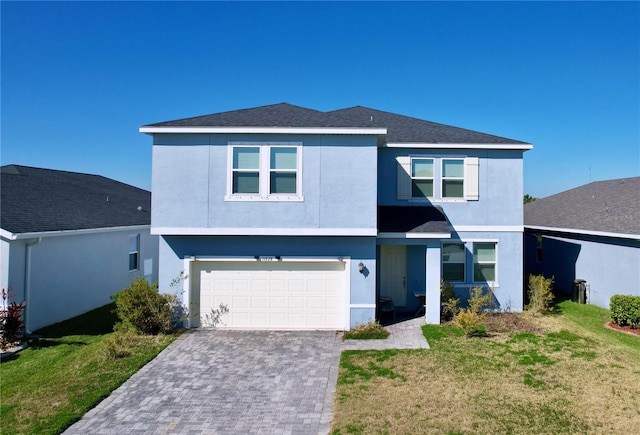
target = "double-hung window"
x: 484, y: 262
x: 437, y: 178
x: 421, y: 178
x: 453, y: 262
x: 452, y: 178
x: 134, y: 252
x: 265, y: 172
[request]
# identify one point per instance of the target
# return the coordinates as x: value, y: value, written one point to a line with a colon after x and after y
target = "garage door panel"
x: 280, y: 295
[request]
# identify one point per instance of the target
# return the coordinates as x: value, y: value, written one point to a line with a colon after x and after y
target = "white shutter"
x: 471, y: 184
x: 404, y: 177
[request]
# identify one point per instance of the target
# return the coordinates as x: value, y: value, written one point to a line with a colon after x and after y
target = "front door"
x: 393, y: 273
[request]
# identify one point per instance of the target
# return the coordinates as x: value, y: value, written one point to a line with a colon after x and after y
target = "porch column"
x: 432, y: 310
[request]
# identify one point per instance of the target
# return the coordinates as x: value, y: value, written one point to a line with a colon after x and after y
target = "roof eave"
x: 147, y: 129
x: 490, y: 146
x: 584, y: 232
x: 34, y: 234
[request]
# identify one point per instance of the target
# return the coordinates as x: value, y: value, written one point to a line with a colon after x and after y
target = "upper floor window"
x: 134, y: 252
x: 421, y: 178
x: 452, y: 178
x: 265, y: 172
x: 437, y: 178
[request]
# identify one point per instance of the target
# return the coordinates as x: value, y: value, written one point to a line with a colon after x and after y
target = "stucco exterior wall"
x: 72, y: 274
x: 500, y: 182
x: 190, y: 174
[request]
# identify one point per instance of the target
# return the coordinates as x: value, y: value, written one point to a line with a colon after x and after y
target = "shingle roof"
x: 38, y: 200
x: 611, y: 206
x: 399, y: 219
x: 400, y: 128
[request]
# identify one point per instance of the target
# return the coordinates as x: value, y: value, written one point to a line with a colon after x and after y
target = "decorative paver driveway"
x: 224, y: 381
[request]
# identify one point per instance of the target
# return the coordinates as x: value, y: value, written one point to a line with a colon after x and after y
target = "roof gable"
x: 40, y: 200
x: 400, y: 128
x: 611, y: 206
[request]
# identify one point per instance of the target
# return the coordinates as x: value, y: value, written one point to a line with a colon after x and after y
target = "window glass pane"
x: 484, y: 272
x: 133, y: 261
x: 133, y: 243
x: 421, y: 188
x: 422, y: 168
x: 452, y: 188
x: 283, y: 182
x: 246, y: 158
x: 284, y: 158
x: 453, y: 252
x: 453, y: 168
x: 452, y: 272
x: 484, y: 252
x: 245, y: 182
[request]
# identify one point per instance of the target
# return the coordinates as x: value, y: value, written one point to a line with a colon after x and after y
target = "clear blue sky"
x: 78, y: 79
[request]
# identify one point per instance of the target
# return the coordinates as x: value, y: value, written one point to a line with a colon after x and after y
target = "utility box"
x: 580, y: 291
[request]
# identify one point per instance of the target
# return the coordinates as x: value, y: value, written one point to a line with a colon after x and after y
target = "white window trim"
x: 432, y: 178
x: 264, y: 171
x: 494, y: 283
x: 405, y: 179
x: 443, y: 179
x: 136, y: 251
x: 470, y: 278
x: 464, y: 263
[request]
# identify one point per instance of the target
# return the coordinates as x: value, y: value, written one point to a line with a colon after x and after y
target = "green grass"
x: 367, y: 331
x: 561, y: 374
x: 59, y: 377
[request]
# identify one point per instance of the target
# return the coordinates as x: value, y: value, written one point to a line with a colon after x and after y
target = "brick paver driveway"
x: 223, y: 381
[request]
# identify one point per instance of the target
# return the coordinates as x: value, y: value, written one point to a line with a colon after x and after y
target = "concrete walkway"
x: 229, y: 381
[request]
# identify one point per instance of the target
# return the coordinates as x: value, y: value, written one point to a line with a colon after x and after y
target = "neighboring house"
x: 296, y: 218
x: 589, y: 233
x: 69, y: 241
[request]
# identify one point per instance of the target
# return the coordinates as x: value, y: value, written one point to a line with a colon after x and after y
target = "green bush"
x: 448, y: 301
x: 540, y: 294
x: 473, y: 318
x: 625, y: 310
x: 142, y: 309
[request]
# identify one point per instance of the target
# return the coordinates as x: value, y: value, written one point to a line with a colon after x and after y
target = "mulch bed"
x: 626, y: 329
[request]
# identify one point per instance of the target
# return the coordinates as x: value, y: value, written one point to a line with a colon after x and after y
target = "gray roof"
x: 38, y: 200
x: 400, y: 128
x: 611, y: 206
x: 417, y: 219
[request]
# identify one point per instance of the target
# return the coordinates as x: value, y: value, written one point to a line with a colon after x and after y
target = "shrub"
x: 448, y: 301
x: 540, y: 294
x: 11, y: 321
x: 625, y: 310
x: 367, y: 331
x: 472, y: 319
x: 142, y: 309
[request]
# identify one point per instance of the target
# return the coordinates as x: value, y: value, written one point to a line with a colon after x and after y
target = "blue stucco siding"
x: 339, y: 175
x: 173, y: 250
x: 609, y: 265
x: 500, y: 185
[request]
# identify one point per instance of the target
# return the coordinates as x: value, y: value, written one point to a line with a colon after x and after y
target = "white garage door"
x: 273, y: 295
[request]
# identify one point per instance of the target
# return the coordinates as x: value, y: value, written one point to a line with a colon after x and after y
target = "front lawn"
x: 564, y: 373
x: 58, y: 378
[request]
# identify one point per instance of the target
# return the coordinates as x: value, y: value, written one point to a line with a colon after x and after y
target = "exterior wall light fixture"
x: 361, y: 267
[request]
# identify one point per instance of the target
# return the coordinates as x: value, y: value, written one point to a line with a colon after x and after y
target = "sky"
x: 79, y: 78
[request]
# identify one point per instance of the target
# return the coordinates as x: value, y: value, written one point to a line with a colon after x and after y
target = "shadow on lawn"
x: 95, y: 322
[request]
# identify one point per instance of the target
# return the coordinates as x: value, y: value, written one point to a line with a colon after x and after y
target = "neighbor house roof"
x: 608, y: 207
x: 37, y: 200
x: 400, y: 128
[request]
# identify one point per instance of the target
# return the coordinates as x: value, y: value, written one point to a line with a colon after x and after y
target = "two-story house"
x: 295, y: 218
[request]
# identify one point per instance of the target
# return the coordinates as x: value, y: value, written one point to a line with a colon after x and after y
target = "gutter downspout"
x: 27, y: 281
